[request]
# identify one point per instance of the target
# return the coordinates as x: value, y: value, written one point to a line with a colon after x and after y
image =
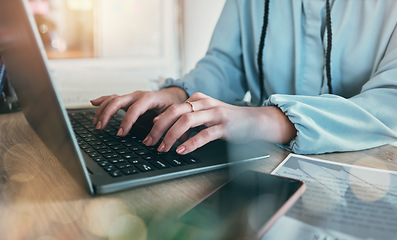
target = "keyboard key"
x: 111, y: 130
x: 123, y: 151
x: 109, y: 168
x: 89, y: 139
x: 99, y: 158
x: 137, y: 160
x: 99, y: 147
x: 105, y: 151
x: 190, y: 160
x: 129, y: 144
x: 160, y: 164
x: 170, y: 157
x: 93, y: 154
x: 85, y: 134
x: 118, y: 147
x: 149, y: 157
x: 91, y: 128
x: 152, y: 149
x: 78, y: 128
x: 142, y: 152
x: 83, y: 145
x: 111, y: 155
x: 123, y: 165
x: 144, y: 167
x: 116, y: 173
x: 104, y: 163
x: 176, y: 162
x: 159, y: 153
x: 96, y: 143
x: 100, y: 135
x: 112, y: 143
x: 136, y: 148
x: 89, y: 150
x: 130, y: 155
x: 117, y: 160
x: 129, y: 171
x: 82, y: 133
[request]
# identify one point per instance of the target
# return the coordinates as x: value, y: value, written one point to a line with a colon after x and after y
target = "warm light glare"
x: 367, y: 185
x: 80, y: 5
x: 112, y: 219
x: 375, y: 186
x: 39, y: 7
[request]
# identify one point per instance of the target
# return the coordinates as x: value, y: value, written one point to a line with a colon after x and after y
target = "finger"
x: 186, y: 122
x: 201, y: 101
x: 206, y: 101
x: 157, y: 118
x: 98, y: 101
x: 164, y: 121
x: 134, y: 111
x: 184, y: 137
x: 200, y: 139
x: 168, y: 118
x: 104, y: 102
x: 113, y: 106
x: 204, y: 104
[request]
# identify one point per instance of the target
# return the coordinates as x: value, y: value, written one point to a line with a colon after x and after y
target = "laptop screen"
x: 24, y: 56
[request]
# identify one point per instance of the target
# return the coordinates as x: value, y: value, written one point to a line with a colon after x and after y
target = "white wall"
x: 199, y: 20
x: 121, y: 75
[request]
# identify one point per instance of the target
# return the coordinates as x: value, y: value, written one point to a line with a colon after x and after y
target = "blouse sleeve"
x: 330, y: 123
x: 220, y: 73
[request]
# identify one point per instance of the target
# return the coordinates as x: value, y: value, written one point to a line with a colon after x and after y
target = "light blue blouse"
x: 362, y: 111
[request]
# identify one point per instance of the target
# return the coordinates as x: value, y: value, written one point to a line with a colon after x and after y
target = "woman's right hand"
x: 135, y: 104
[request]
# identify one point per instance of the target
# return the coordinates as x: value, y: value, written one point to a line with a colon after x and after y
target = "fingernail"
x: 161, y: 147
x: 147, y: 141
x: 180, y: 149
x: 95, y: 120
x: 155, y: 119
x: 99, y: 125
x: 120, y: 132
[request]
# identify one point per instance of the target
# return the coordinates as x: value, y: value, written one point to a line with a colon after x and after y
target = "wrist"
x: 276, y: 126
x: 178, y: 93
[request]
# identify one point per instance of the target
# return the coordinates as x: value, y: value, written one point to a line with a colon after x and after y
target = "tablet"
x: 244, y: 208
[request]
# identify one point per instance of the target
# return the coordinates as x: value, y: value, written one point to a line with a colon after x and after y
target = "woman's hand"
x: 220, y: 121
x: 135, y: 104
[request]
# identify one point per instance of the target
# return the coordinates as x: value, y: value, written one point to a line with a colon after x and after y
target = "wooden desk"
x: 39, y: 200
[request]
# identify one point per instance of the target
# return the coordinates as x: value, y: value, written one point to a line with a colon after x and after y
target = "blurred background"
x: 122, y: 45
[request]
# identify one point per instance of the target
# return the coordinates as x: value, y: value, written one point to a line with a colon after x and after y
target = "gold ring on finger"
x: 191, y: 105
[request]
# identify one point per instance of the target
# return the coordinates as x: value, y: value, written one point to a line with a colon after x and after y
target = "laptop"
x: 101, y: 167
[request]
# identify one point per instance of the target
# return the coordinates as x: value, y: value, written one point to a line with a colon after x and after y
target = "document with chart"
x: 341, y: 202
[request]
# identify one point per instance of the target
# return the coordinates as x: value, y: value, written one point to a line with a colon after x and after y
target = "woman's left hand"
x: 218, y: 120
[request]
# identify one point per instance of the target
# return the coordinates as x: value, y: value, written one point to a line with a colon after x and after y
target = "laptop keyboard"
x: 120, y: 156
